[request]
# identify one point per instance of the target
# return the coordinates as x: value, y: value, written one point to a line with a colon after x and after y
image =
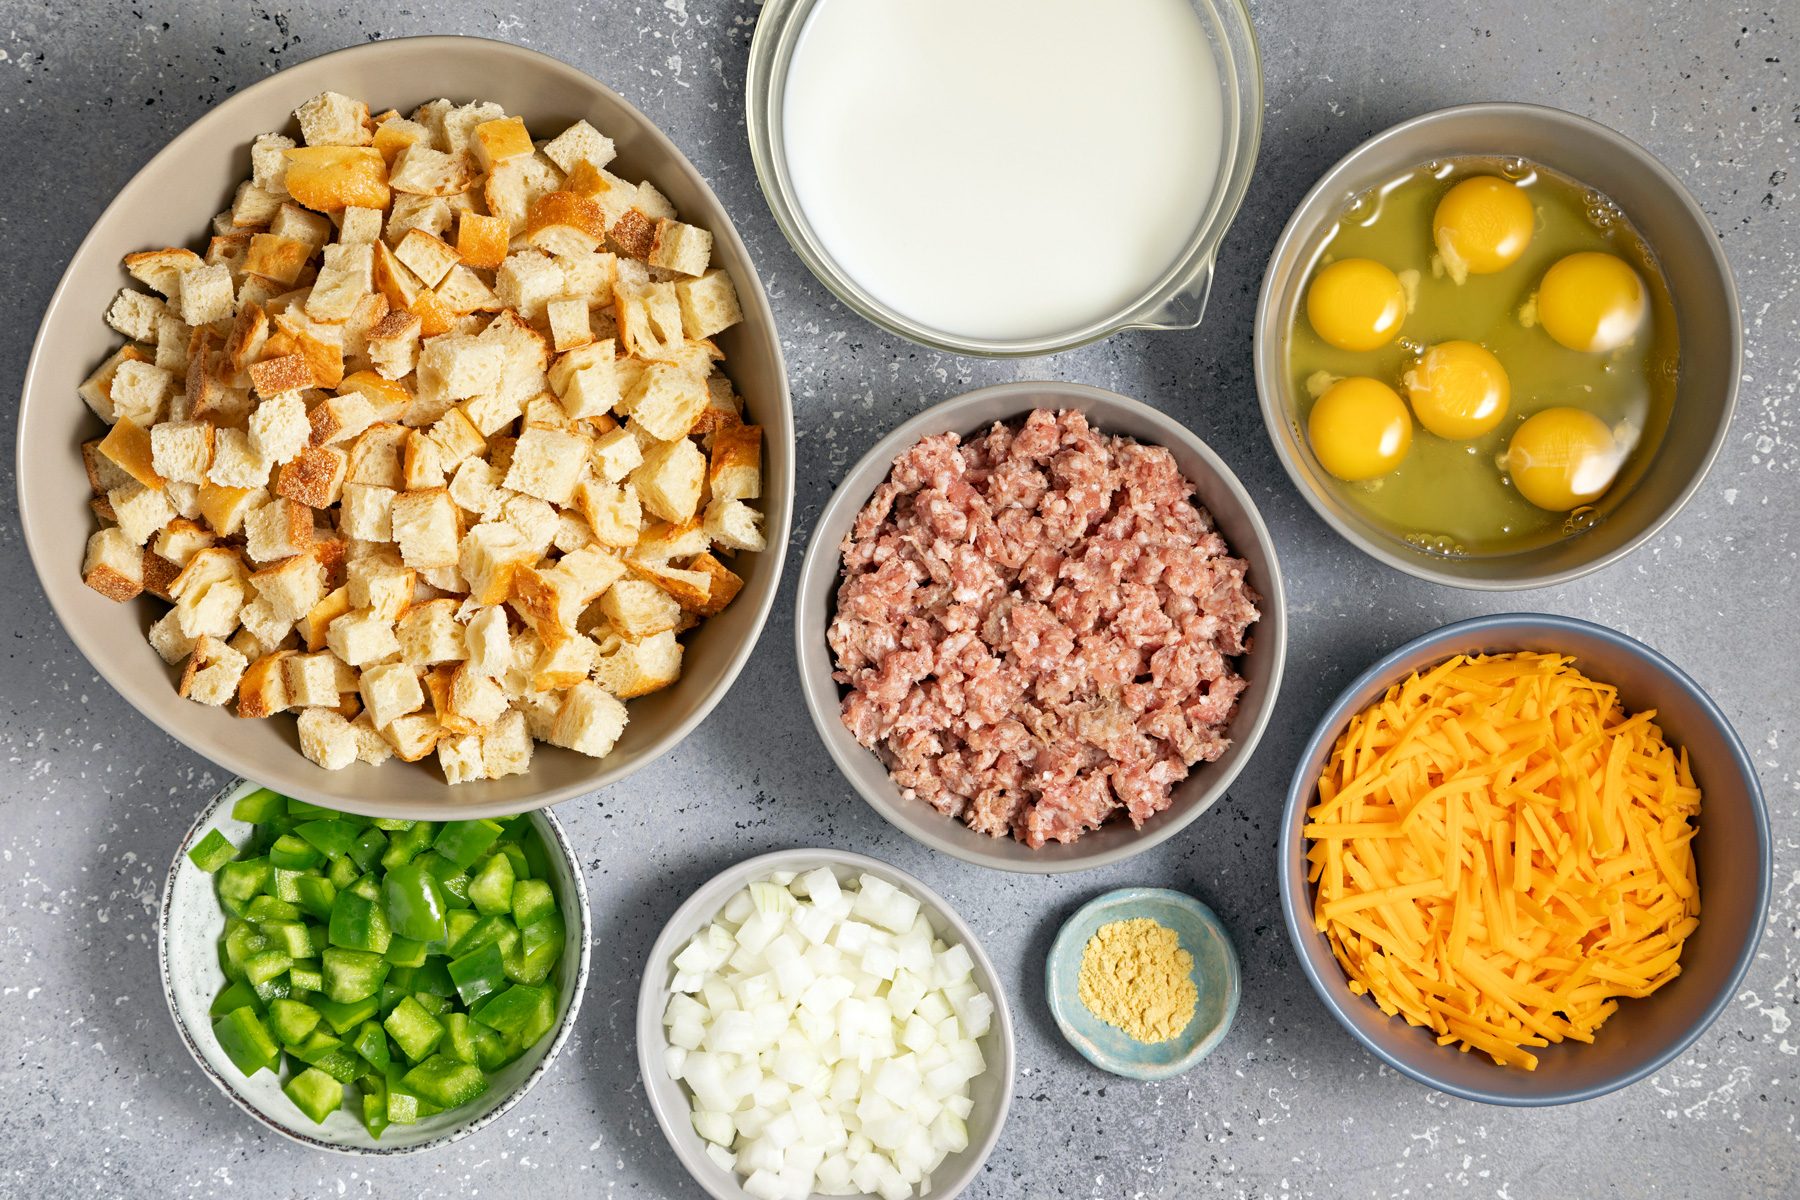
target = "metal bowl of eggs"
x: 1498, y: 346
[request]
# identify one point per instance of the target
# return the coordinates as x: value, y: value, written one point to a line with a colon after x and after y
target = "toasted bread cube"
x: 459, y: 756
x: 141, y: 392
x: 182, y: 450
x: 393, y: 345
x: 371, y: 747
x: 476, y: 489
x: 534, y: 519
x: 572, y: 532
x: 331, y: 178
x: 426, y: 255
x: 650, y: 321
x: 375, y: 456
x: 184, y: 498
x: 332, y: 119
x: 367, y: 512
x: 128, y: 447
x: 213, y: 672
x: 216, y: 610
x: 547, y: 463
x: 616, y: 455
x: 96, y: 390
x: 632, y: 234
x: 421, y: 171
x: 513, y: 186
x: 292, y: 587
x: 181, y: 539
x: 341, y: 417
x: 113, y: 564
x: 263, y: 689
x: 638, y: 610
x: 709, y: 304
x: 103, y: 473
x: 569, y: 326
x: 140, y: 511
x: 167, y: 639
x: 666, y: 401
x: 735, y: 472
x: 590, y: 720
x: 362, y: 638
x: 235, y: 461
x: 312, y: 680
x: 490, y: 555
x: 663, y: 540
x: 564, y: 663
x: 612, y: 510
x: 460, y: 123
x: 268, y: 169
x: 481, y: 240
x: 427, y: 528
x: 506, y: 747
x: 136, y: 314
x: 249, y: 337
x: 346, y: 275
x: 493, y: 142
x: 420, y: 467
x: 476, y: 701
x: 379, y: 584
x: 224, y: 508
x: 429, y: 634
x: 260, y: 620
x: 326, y: 737
x: 489, y: 640
x: 297, y: 224
x: 565, y: 224
x: 689, y: 588
x: 684, y: 249
x: 359, y: 226
x: 580, y: 142
x: 205, y: 294
x: 394, y: 135
x: 283, y: 373
x: 630, y: 669
x: 457, y: 439
x: 413, y: 735
x: 669, y: 479
x: 277, y: 530
x: 527, y: 281
x: 723, y: 587
x: 315, y: 477
x: 461, y: 365
x: 278, y: 431
x: 546, y: 412
x: 162, y: 269
x: 734, y: 525
x: 253, y: 207
x: 390, y: 691
x: 315, y: 626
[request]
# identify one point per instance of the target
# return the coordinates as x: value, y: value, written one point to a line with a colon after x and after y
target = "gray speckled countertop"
x: 100, y: 1098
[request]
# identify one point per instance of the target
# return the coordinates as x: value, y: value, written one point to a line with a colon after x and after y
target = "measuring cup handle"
x: 1184, y: 309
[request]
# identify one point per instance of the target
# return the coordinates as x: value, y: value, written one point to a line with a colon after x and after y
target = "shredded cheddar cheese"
x: 1500, y: 853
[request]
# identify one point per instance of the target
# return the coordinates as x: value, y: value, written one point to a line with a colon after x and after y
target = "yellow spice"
x: 1136, y: 976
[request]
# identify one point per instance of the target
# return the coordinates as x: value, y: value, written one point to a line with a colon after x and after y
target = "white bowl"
x: 188, y: 957
x: 991, y: 1091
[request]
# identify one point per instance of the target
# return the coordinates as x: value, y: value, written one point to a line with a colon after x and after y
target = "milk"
x: 1004, y: 169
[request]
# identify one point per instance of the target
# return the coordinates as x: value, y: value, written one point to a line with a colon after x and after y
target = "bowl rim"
x: 1299, y: 924
x: 164, y: 931
x: 153, y: 700
x: 1268, y: 374
x: 654, y: 983
x: 1181, y: 290
x: 825, y: 561
x: 1065, y: 955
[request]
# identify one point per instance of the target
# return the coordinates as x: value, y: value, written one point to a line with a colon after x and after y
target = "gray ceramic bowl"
x: 1732, y: 849
x: 170, y: 202
x: 1218, y: 490
x: 187, y: 954
x: 1700, y: 282
x: 991, y: 1092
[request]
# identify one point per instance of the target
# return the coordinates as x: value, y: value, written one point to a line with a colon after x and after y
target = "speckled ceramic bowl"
x: 1216, y: 488
x: 1732, y: 851
x: 991, y: 1091
x: 188, y: 958
x: 1216, y: 977
x: 170, y: 202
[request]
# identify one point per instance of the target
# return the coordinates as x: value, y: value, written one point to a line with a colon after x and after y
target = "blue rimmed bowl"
x: 1732, y: 852
x: 1216, y: 976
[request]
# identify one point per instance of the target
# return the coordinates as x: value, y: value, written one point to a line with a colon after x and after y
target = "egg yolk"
x: 1458, y: 390
x: 1356, y: 304
x: 1482, y: 225
x: 1562, y: 458
x: 1359, y: 429
x: 1591, y: 302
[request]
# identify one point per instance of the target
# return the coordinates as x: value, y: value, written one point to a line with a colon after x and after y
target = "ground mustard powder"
x: 1136, y: 976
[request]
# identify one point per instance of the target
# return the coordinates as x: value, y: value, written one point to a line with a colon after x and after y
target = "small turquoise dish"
x: 1216, y: 975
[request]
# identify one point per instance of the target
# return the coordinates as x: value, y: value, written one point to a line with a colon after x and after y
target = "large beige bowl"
x: 170, y: 203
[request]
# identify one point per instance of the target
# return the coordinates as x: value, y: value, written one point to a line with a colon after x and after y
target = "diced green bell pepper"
x: 462, y: 842
x: 479, y: 973
x: 265, y: 965
x: 414, y: 901
x: 315, y: 1093
x: 342, y: 873
x: 492, y: 1051
x: 272, y: 989
x: 286, y: 885
x: 305, y: 976
x: 392, y: 824
x: 515, y: 854
x: 404, y: 844
x: 259, y: 806
x: 244, y: 878
x: 371, y: 1042
x: 343, y: 1017
x: 491, y: 888
x: 404, y: 952
x: 352, y: 975
x: 540, y: 946
x: 531, y: 899
x: 295, y: 853
x: 509, y: 1011
x: 457, y: 923
x: 413, y: 1029
x: 246, y: 1041
x: 290, y: 937
x: 445, y: 1081
x: 315, y: 894
x: 268, y: 908
x: 365, y: 852
x: 212, y: 851
x: 486, y: 931
x: 291, y: 1021
x: 459, y: 1036
x: 359, y: 924
x: 233, y: 995
x: 302, y: 810
x: 374, y: 1106
x: 437, y: 1006
x: 331, y: 838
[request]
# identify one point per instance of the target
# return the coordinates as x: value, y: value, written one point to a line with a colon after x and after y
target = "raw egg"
x: 1359, y: 429
x: 1562, y: 458
x: 1591, y: 302
x: 1482, y: 225
x: 1356, y: 304
x: 1458, y: 390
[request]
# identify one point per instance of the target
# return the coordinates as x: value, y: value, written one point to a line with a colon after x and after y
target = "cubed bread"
x: 476, y: 489
x: 315, y: 627
x: 429, y: 634
x: 580, y: 142
x: 127, y: 446
x: 339, y: 418
x: 569, y: 326
x: 162, y: 269
x: 268, y: 167
x: 488, y: 637
x: 476, y: 701
x: 547, y: 463
x: 362, y: 638
x: 420, y: 170
x: 277, y: 529
x: 664, y: 540
x: 513, y: 186
x: 527, y: 281
x: 181, y: 539
x: 616, y: 455
x: 427, y: 527
x: 205, y: 294
x: 282, y: 373
x: 709, y: 304
x: 506, y: 746
x: 167, y: 639
x: 333, y: 119
x: 482, y: 240
x: 366, y: 513
x: 666, y: 401
x: 612, y: 510
x: 181, y: 451
x: 689, y: 588
x: 136, y: 314
x: 563, y: 663
x: 315, y: 477
x: 426, y: 255
x: 493, y: 142
x: 224, y: 509
x: 381, y: 584
x: 253, y: 207
x: 263, y: 691
x: 113, y: 564
x: 684, y: 249
x: 632, y: 234
x: 565, y: 224
x: 393, y: 344
x: 371, y: 747
x: 650, y: 320
x: 296, y: 223
x: 390, y: 691
x: 140, y: 511
x: 312, y: 679
x: 359, y: 226
x: 457, y: 439
x: 628, y: 668
x: 590, y: 720
x: 326, y: 738
x: 212, y: 673
x: 291, y: 587
x: 413, y: 735
x: 670, y: 478
x: 637, y: 609
x: 735, y: 470
x: 490, y: 555
x: 331, y: 178
x: 723, y: 584
x: 734, y: 525
x: 141, y: 392
x: 346, y: 275
x: 459, y: 756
